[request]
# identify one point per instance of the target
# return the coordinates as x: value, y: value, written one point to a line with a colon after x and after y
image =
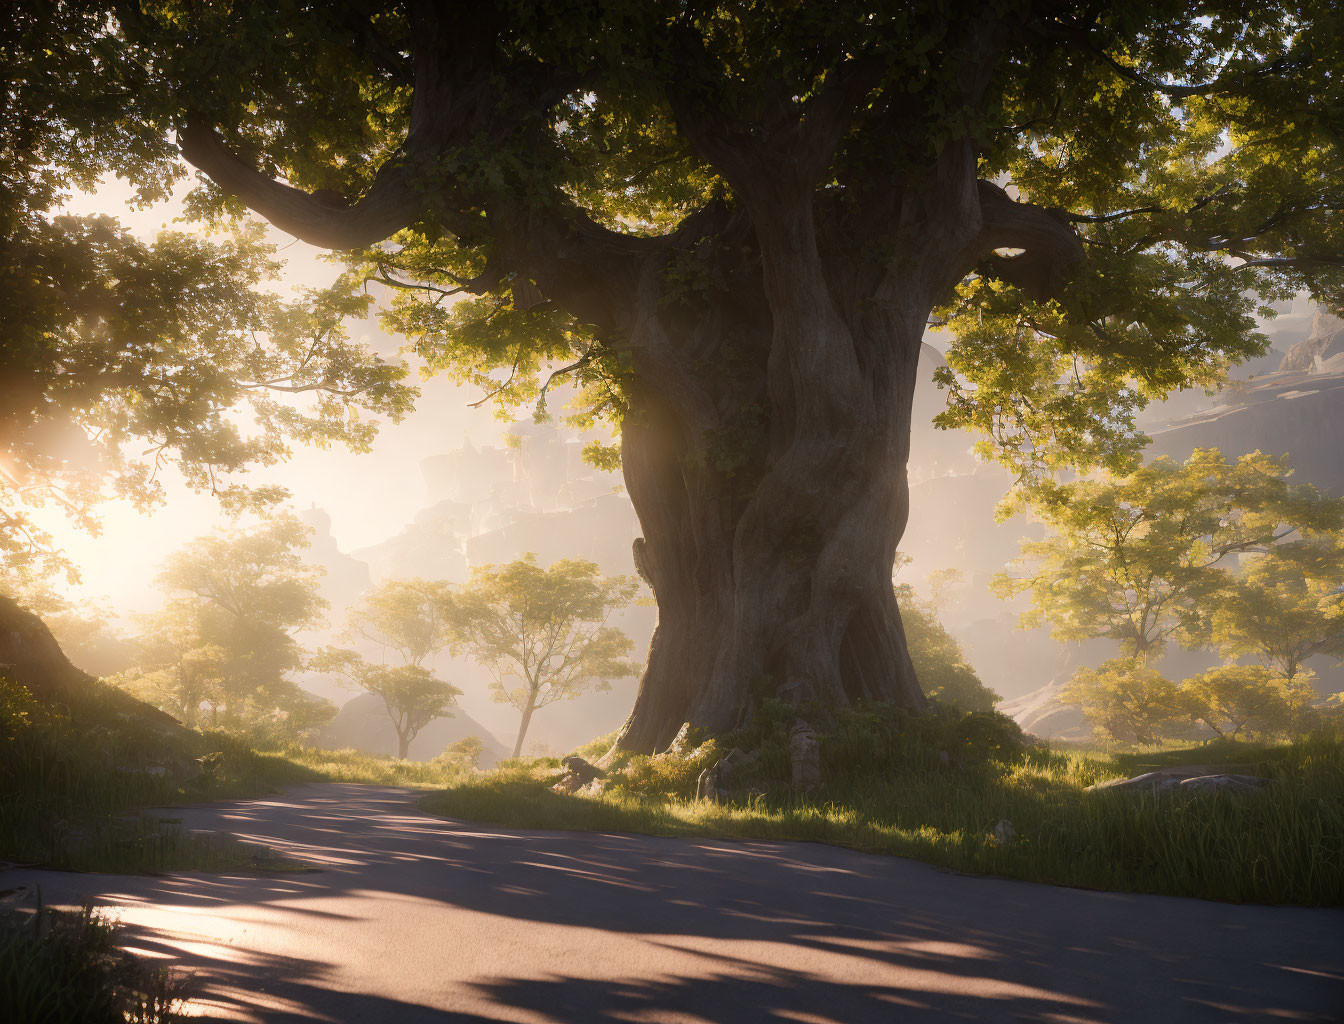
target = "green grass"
x: 74, y: 780
x: 1282, y: 845
x: 66, y: 968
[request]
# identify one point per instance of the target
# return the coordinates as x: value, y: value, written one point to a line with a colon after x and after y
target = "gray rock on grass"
x: 1190, y: 780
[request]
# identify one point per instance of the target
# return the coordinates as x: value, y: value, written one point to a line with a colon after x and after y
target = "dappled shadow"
x: 565, y: 926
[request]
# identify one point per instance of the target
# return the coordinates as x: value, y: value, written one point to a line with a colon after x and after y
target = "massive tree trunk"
x: 769, y: 534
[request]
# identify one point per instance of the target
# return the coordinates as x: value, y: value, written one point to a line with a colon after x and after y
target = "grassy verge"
x: 1282, y: 845
x: 73, y: 781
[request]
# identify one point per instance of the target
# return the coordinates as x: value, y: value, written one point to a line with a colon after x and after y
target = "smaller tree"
x: 543, y: 633
x: 414, y: 618
x: 1137, y: 558
x: 225, y: 637
x: 1125, y: 698
x: 411, y: 695
x: 1283, y: 607
x: 1232, y: 698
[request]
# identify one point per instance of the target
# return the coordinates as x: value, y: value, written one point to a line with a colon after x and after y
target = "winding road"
x: 415, y: 918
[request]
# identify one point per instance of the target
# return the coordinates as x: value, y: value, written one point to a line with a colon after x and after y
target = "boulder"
x: 716, y: 780
x: 1003, y: 832
x: 805, y: 756
x: 579, y: 774
x: 1186, y: 779
x: 584, y: 771
x: 567, y: 784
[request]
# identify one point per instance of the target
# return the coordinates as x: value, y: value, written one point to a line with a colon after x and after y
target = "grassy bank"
x: 1282, y: 845
x: 75, y: 778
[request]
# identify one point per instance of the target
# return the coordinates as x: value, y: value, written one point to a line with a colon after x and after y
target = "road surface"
x: 414, y: 918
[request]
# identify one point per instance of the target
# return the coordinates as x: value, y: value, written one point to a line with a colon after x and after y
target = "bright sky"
x: 369, y: 497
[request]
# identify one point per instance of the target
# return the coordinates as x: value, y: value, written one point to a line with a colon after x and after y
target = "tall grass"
x: 74, y: 778
x: 1284, y: 844
x: 66, y: 968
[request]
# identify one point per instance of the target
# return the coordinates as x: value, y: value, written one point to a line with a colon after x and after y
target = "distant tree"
x: 543, y: 633
x: 1232, y: 698
x: 411, y: 695
x: 1283, y: 607
x: 177, y: 668
x: 939, y: 660
x: 465, y: 752
x: 1136, y: 558
x: 1126, y: 699
x: 225, y: 638
x: 412, y: 618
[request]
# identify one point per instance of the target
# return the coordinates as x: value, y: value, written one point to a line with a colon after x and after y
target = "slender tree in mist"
x: 413, y: 620
x: 543, y: 634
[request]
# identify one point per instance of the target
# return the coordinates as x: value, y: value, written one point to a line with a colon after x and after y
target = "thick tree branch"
x: 388, y: 206
x: 1226, y: 83
x: 1049, y: 245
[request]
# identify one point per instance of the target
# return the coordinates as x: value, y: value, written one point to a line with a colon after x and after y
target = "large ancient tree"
x: 730, y: 224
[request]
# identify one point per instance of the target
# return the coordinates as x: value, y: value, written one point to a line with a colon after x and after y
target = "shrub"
x: 66, y: 968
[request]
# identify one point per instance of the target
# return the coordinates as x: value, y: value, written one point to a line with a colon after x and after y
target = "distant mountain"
x: 363, y: 724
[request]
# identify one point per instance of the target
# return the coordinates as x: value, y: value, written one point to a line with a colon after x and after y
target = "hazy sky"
x: 368, y: 496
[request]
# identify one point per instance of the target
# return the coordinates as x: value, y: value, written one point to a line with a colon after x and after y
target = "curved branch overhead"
x: 389, y: 205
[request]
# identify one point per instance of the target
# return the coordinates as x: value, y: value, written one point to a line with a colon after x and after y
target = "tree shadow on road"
x: 620, y: 927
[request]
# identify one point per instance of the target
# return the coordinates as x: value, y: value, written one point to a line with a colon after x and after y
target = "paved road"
x: 414, y: 919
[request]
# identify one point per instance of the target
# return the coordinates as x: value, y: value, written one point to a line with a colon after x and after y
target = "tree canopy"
x: 415, y: 620
x: 1284, y: 606
x: 730, y: 224
x: 543, y: 633
x: 224, y: 639
x: 1139, y: 558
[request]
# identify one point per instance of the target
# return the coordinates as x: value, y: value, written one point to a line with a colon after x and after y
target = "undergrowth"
x: 933, y: 787
x: 65, y: 967
x: 74, y: 781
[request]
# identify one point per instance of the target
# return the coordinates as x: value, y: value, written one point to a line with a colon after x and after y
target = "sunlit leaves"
x: 1138, y: 558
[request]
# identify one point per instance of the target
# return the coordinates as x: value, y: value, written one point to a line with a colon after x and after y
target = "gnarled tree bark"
x: 769, y: 424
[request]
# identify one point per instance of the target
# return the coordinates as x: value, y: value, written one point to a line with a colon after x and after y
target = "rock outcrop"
x: 1185, y: 780
x: 1316, y: 352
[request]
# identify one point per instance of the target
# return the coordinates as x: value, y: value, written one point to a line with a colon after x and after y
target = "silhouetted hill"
x: 363, y: 724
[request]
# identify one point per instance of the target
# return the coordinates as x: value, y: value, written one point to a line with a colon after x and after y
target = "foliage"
x: 73, y: 776
x: 463, y: 753
x: 1232, y: 698
x: 1125, y: 698
x: 62, y: 967
x: 1135, y: 557
x: 939, y: 660
x: 411, y: 695
x: 1283, y: 606
x: 1192, y: 150
x: 1282, y: 846
x: 414, y: 618
x: 224, y: 640
x: 543, y: 633
x: 129, y: 356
